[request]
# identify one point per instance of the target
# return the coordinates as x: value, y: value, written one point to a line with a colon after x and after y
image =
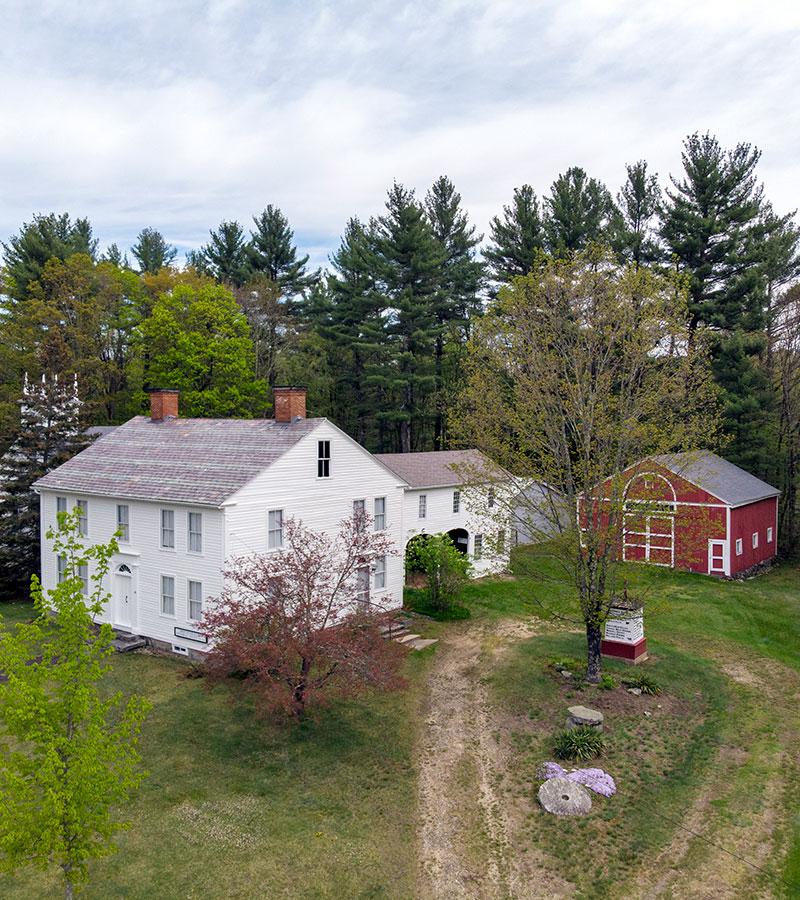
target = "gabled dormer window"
x: 323, y: 459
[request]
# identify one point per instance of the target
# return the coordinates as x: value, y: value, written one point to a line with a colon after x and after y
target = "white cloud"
x: 180, y: 114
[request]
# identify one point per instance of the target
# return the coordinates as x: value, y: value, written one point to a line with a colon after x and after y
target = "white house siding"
x: 439, y: 518
x: 146, y: 560
x: 291, y: 484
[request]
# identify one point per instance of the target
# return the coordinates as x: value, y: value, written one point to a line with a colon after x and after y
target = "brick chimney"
x: 290, y: 403
x: 163, y: 404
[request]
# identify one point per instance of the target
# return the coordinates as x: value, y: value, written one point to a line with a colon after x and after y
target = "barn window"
x: 769, y: 535
x: 755, y: 540
x: 323, y: 459
x: 739, y: 546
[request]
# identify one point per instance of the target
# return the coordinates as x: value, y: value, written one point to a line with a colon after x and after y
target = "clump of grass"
x: 645, y: 682
x: 565, y: 663
x: 607, y: 682
x: 581, y: 743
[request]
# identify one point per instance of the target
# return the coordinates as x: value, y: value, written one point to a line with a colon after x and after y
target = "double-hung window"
x: 456, y: 501
x: 323, y: 459
x: 195, y: 601
x: 501, y: 541
x: 423, y: 505
x: 124, y: 522
x: 83, y: 517
x: 61, y: 505
x: 490, y: 498
x: 380, y: 513
x: 359, y: 511
x: 167, y: 595
x: 275, y: 529
x: 362, y: 585
x: 379, y: 573
x: 195, y: 543
x: 61, y: 568
x: 755, y: 540
x: 83, y: 574
x: 478, y: 547
x: 168, y: 529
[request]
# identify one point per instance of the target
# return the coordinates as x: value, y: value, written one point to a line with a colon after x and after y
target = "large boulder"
x: 564, y: 798
x: 582, y: 715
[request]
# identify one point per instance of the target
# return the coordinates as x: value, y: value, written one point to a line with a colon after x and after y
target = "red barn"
x: 698, y: 512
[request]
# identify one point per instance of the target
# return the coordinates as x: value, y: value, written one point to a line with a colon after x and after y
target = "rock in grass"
x: 564, y: 798
x: 582, y: 715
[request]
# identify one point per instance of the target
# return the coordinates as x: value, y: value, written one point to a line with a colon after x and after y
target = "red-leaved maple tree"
x: 301, y: 624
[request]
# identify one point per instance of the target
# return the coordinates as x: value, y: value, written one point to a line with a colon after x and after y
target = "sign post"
x: 624, y: 634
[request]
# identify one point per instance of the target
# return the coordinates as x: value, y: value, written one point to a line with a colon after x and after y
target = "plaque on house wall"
x: 189, y: 635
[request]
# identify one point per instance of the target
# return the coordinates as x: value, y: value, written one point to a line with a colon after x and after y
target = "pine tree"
x: 46, y: 237
x: 457, y: 298
x: 579, y: 211
x: 114, y: 256
x: 272, y: 252
x: 152, y: 252
x: 638, y: 201
x: 410, y: 260
x: 516, y: 238
x: 49, y: 435
x: 226, y: 254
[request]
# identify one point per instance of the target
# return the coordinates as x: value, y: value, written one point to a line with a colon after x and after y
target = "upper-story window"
x: 195, y: 523
x: 478, y: 547
x: 323, y: 459
x: 380, y: 513
x: 275, y: 529
x: 490, y: 498
x: 61, y: 505
x: 456, y: 501
x: 739, y: 546
x: 83, y: 517
x: 124, y: 521
x: 423, y: 505
x: 168, y: 529
x: 359, y: 511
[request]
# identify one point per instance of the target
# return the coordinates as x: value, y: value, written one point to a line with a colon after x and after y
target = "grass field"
x: 235, y: 808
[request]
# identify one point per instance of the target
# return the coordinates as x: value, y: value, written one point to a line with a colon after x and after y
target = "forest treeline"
x: 379, y: 337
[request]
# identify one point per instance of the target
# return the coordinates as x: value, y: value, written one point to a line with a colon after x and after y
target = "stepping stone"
x: 422, y: 643
x: 582, y: 715
x: 564, y: 798
x: 407, y: 638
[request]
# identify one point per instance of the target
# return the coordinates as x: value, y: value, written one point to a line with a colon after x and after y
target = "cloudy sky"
x: 181, y: 114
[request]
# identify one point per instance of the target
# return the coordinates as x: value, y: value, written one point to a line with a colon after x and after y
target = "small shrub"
x: 607, y: 682
x: 446, y: 569
x: 566, y: 662
x: 645, y: 682
x: 581, y: 743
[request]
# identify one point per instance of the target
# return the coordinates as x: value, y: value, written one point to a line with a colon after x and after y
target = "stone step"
x: 422, y: 643
x: 393, y: 629
x: 407, y: 638
x: 129, y: 642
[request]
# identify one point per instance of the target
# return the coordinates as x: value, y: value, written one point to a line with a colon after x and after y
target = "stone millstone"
x: 582, y: 715
x: 564, y: 798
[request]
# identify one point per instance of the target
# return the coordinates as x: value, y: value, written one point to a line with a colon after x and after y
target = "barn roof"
x: 201, y: 461
x: 717, y: 476
x: 437, y: 468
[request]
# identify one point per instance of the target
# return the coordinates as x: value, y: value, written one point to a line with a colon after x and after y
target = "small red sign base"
x: 632, y: 653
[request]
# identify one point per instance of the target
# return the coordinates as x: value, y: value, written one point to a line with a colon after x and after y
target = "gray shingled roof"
x: 717, y: 476
x: 442, y: 468
x: 201, y: 461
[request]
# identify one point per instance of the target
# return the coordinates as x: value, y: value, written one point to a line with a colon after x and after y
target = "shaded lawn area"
x: 235, y: 808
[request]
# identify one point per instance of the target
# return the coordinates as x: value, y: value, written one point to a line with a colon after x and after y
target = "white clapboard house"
x: 190, y: 494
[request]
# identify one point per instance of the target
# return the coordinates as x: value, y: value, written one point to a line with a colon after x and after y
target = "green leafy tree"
x: 638, y: 201
x: 517, y: 238
x: 446, y: 569
x: 272, y: 253
x: 198, y: 341
x: 44, y: 238
x: 68, y: 749
x: 457, y: 297
x: 49, y: 435
x: 152, y: 251
x: 579, y: 212
x: 225, y: 254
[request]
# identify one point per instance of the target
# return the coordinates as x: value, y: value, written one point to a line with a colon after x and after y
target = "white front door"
x: 717, y: 553
x: 123, y: 597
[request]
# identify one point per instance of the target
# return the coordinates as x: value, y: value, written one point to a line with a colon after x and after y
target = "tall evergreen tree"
x: 457, y: 298
x: 638, y: 201
x: 226, y: 254
x: 410, y: 259
x: 49, y: 435
x: 115, y: 256
x: 516, y: 238
x: 272, y: 252
x: 152, y: 252
x: 579, y: 211
x: 44, y: 238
